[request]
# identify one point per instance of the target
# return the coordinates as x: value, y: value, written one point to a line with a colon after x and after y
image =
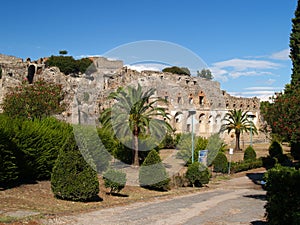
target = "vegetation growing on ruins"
x: 177, y: 70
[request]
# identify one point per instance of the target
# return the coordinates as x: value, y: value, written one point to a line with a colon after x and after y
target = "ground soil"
x: 39, y: 198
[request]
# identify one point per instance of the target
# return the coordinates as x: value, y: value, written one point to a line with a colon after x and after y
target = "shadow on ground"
x: 259, y: 222
x: 256, y: 178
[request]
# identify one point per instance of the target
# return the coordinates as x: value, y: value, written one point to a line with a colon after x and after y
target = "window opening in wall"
x: 188, y: 127
x: 201, y: 100
x: 234, y: 105
x: 227, y: 105
x: 178, y: 99
x: 191, y: 100
x: 166, y: 98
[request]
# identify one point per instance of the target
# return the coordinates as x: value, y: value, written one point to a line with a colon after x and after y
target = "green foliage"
x: 38, y: 143
x: 92, y: 149
x: 283, y: 199
x: 249, y: 154
x: 136, y: 118
x: 197, y: 174
x: 239, y: 122
x: 177, y: 70
x: 68, y: 65
x: 9, y: 172
x: 72, y: 177
x: 245, y: 165
x: 269, y: 162
x: 275, y: 149
x: 153, y: 174
x: 185, y: 147
x: 205, y: 73
x: 35, y: 100
x: 294, y: 46
x: 115, y: 180
x: 63, y: 52
x: 220, y: 163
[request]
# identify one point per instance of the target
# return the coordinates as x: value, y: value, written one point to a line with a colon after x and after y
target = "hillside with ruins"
x: 86, y: 94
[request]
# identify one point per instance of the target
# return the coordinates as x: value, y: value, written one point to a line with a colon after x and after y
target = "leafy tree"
x: 34, y: 100
x: 295, y: 48
x: 283, y: 115
x: 177, y: 70
x: 72, y: 177
x: 136, y: 115
x: 238, y: 121
x: 275, y: 149
x: 205, y: 73
x: 63, y: 52
x: 153, y: 174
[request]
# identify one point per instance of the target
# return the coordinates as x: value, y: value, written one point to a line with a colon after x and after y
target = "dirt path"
x: 235, y: 201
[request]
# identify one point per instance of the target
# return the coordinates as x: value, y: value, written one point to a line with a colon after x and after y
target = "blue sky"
x: 244, y: 42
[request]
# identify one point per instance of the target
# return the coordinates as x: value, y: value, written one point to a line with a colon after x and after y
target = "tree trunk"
x: 136, y: 162
x: 237, y: 141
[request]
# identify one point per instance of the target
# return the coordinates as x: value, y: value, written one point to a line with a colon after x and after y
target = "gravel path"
x: 236, y: 201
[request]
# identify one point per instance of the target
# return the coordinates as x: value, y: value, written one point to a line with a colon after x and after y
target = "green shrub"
x: 197, y: 174
x: 39, y: 142
x: 220, y: 163
x: 283, y: 199
x: 115, y: 180
x: 35, y: 100
x: 269, y: 162
x: 9, y: 171
x: 177, y: 70
x: 236, y: 167
x: 68, y: 65
x: 249, y: 154
x: 72, y: 177
x: 275, y: 149
x: 153, y: 174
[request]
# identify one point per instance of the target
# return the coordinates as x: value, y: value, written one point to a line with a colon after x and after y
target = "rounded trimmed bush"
x: 153, y: 174
x: 220, y: 163
x: 249, y: 154
x: 275, y: 149
x: 197, y: 174
x: 72, y: 177
x: 115, y: 180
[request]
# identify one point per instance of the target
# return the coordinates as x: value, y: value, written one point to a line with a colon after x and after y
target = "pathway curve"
x: 235, y: 201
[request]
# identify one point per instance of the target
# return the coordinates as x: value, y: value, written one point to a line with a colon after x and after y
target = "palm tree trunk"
x: 136, y: 148
x: 237, y: 141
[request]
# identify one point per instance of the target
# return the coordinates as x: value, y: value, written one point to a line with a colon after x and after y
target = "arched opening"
x: 30, y: 73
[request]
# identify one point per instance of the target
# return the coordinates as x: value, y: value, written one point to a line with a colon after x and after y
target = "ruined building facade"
x: 195, y: 104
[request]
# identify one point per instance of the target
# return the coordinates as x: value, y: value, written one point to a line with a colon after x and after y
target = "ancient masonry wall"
x: 87, y: 94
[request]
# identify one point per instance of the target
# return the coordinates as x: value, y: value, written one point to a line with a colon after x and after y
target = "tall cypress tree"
x: 295, y: 48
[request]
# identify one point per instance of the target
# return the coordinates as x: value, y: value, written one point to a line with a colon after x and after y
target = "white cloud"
x: 244, y: 64
x: 263, y: 88
x: 236, y: 74
x: 141, y: 67
x: 281, y: 55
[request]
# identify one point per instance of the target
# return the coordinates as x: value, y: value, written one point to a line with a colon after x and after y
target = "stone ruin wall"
x: 86, y: 96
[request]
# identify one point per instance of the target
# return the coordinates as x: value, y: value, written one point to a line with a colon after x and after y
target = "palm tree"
x: 135, y: 114
x: 238, y: 121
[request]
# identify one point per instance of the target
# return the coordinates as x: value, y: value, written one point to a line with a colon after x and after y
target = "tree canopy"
x: 205, y: 73
x: 177, y: 70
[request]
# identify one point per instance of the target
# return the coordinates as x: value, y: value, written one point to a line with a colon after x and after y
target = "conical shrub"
x: 220, y: 163
x: 249, y: 154
x: 72, y: 177
x: 153, y: 174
